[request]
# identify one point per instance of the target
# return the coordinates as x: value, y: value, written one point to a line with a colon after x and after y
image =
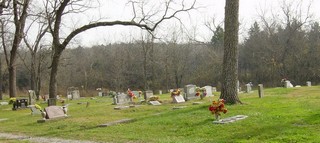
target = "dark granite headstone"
x: 20, y: 104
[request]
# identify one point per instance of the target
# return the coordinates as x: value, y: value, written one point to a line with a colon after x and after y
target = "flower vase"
x: 217, y: 117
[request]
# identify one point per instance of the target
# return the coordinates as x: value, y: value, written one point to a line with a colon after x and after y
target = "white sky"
x: 194, y: 22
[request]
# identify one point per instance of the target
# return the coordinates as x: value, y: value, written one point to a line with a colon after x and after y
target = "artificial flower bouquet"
x: 217, y: 107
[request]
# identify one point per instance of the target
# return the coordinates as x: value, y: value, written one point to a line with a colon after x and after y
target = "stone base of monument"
x: 230, y: 119
x: 117, y: 122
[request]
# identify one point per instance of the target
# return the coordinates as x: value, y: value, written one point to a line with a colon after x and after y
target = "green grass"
x: 282, y: 115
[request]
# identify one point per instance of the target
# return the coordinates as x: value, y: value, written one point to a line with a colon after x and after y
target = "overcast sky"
x: 193, y: 23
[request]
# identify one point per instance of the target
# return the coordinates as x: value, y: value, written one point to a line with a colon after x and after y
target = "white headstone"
x: 308, y: 83
x: 32, y: 97
x: 178, y: 99
x: 208, y: 90
x: 288, y: 84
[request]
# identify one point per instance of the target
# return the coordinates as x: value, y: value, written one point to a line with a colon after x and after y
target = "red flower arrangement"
x: 217, y: 107
x: 130, y: 93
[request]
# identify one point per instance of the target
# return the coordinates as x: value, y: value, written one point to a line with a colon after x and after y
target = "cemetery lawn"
x: 282, y: 115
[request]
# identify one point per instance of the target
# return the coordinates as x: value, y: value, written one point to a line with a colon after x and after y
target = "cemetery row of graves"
x: 182, y: 99
x: 125, y: 100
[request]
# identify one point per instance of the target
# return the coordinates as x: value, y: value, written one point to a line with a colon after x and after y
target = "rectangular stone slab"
x: 54, y: 112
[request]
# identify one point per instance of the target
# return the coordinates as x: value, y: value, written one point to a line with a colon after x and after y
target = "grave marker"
x: 20, y: 104
x: 136, y: 93
x: 208, y: 90
x: 155, y: 103
x: 230, y: 119
x: 190, y: 92
x: 178, y: 99
x: 34, y: 110
x: 54, y: 112
x: 260, y: 90
x: 248, y: 88
x: 73, y: 93
x: 32, y: 97
x: 148, y: 94
x: 123, y: 98
x: 309, y: 83
x: 214, y: 89
x: 4, y: 103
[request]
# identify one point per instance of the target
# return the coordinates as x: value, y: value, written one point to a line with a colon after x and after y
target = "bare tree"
x: 19, y: 19
x: 230, y: 58
x: 61, y: 8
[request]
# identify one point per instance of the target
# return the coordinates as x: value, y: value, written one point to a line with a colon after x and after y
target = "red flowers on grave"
x: 130, y: 93
x: 217, y: 107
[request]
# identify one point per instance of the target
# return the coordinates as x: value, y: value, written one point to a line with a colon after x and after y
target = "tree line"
x: 145, y: 65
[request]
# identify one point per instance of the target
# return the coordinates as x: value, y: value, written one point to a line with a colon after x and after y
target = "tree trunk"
x: 230, y: 58
x: 33, y: 72
x: 1, y: 80
x: 38, y: 81
x: 12, y: 81
x: 53, y: 74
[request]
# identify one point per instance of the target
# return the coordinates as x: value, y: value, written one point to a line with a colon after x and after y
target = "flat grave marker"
x: 156, y: 103
x: 230, y: 119
x: 117, y: 122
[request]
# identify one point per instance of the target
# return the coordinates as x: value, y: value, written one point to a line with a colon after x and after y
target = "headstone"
x: 197, y: 103
x: 160, y: 92
x: 154, y: 102
x: 248, y: 88
x: 288, y: 84
x: 308, y: 83
x: 100, y: 93
x: 123, y: 98
x: 230, y: 119
x: 116, y: 122
x: 178, y: 107
x: 45, y: 97
x: 54, y: 112
x: 32, y: 97
x: 148, y: 94
x: 178, y: 99
x: 208, y: 90
x: 20, y: 104
x: 136, y: 93
x: 34, y: 110
x: 4, y: 103
x: 238, y: 86
x: 214, y: 89
x: 260, y: 90
x: 190, y: 92
x: 73, y: 93
x: 3, y: 119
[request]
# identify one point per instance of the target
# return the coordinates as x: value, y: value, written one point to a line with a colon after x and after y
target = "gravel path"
x: 39, y: 139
